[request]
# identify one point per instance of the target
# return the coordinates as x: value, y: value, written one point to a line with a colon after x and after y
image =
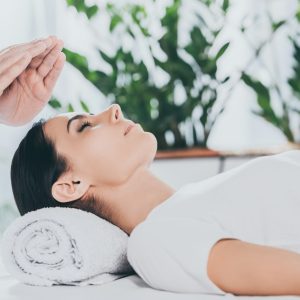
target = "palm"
x: 26, y: 96
x: 27, y: 80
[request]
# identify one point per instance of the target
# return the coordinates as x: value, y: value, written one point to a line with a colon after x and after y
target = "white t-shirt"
x: 257, y: 202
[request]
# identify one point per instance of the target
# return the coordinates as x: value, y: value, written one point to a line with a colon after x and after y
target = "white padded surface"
x: 128, y: 288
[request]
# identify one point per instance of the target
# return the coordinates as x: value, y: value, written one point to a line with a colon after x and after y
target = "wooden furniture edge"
x: 198, y: 152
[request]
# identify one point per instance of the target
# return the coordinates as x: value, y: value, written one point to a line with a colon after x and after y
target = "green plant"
x: 274, y: 107
x: 81, y: 6
x: 191, y: 68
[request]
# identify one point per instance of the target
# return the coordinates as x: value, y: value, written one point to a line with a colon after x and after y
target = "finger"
x: 12, y: 56
x: 10, y: 61
x: 36, y: 61
x: 49, y: 40
x: 7, y: 77
x: 52, y: 76
x: 38, y: 48
x: 15, y: 46
x: 34, y: 48
x: 50, y: 59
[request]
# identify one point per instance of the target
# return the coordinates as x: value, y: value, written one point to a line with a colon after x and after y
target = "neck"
x: 131, y: 202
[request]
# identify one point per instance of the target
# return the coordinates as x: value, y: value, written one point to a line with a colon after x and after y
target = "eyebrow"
x: 76, y: 117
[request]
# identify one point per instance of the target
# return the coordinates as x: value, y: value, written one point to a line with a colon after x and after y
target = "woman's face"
x: 97, y: 147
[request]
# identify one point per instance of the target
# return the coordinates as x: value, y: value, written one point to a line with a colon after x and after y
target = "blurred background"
x: 199, y: 74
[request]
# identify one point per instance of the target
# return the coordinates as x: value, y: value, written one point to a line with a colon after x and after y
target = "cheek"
x: 104, y: 158
x: 114, y: 160
x: 139, y: 151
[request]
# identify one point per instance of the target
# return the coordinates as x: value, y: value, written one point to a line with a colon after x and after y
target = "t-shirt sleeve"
x: 171, y: 254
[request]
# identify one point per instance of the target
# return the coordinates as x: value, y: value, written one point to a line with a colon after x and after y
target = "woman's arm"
x: 244, y: 268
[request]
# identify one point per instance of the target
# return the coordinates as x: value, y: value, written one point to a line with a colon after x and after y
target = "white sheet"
x: 128, y: 288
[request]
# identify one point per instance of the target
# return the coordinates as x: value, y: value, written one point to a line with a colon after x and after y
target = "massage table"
x: 127, y: 288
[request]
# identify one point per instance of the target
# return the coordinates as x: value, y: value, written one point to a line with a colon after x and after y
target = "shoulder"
x: 141, y: 240
x: 149, y: 254
x: 144, y: 252
x: 150, y: 232
x: 166, y: 254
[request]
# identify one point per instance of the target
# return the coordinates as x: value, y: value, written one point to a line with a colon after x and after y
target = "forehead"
x: 59, y: 120
x: 58, y: 124
x: 63, y: 118
x: 67, y: 115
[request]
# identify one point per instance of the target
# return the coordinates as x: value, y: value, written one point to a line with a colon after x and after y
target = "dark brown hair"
x: 36, y: 165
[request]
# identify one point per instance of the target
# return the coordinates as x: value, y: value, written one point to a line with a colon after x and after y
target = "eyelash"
x: 83, y: 125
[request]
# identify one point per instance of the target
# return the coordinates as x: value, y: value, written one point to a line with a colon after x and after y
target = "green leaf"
x: 54, y: 103
x: 108, y: 59
x: 222, y: 50
x: 277, y: 25
x: 225, y: 5
x: 282, y: 122
x: 207, y: 2
x: 70, y: 108
x: 81, y: 7
x: 198, y: 48
x: 76, y: 59
x: 115, y: 20
x: 261, y: 91
x: 225, y: 79
x: 263, y: 99
x: 84, y: 106
x: 294, y: 81
x: 138, y: 12
x: 92, y: 11
x: 298, y: 16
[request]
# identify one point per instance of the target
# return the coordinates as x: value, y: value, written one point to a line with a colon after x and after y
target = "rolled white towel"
x: 64, y: 246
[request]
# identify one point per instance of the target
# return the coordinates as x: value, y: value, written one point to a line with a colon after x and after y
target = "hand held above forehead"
x: 28, y: 73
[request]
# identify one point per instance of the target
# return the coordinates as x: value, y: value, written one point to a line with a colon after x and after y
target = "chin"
x: 152, y: 147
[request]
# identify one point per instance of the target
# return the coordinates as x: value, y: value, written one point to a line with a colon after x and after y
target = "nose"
x: 115, y: 113
x: 111, y: 114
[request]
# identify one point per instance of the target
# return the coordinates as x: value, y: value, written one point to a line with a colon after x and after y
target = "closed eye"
x: 83, y: 125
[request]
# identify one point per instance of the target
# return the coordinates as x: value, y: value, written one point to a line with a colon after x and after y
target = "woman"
x: 202, y: 238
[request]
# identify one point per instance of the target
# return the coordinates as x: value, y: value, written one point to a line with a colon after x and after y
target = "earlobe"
x: 67, y: 190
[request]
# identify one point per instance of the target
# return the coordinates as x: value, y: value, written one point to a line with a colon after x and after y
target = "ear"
x: 67, y: 189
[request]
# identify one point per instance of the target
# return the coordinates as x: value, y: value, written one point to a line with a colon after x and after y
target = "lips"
x: 129, y: 128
